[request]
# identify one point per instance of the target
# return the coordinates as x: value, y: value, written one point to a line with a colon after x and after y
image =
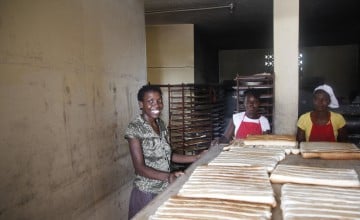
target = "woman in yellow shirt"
x: 321, y: 124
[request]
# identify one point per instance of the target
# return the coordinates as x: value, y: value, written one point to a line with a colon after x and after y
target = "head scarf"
x: 333, y: 101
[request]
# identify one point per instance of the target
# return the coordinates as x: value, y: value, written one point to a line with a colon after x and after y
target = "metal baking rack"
x: 196, y: 116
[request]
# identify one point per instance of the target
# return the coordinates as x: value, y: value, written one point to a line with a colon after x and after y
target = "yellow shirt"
x: 305, y: 123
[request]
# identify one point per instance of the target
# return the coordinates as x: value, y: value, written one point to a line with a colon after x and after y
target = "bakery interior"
x: 70, y: 72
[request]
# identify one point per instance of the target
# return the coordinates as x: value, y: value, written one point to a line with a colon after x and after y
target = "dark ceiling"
x: 322, y: 22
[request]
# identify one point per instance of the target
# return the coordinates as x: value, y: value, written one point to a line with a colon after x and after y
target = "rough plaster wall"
x: 69, y: 73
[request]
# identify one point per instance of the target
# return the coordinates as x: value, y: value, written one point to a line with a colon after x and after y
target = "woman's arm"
x: 226, y: 137
x: 300, y: 135
x: 342, y: 135
x: 180, y: 158
x: 139, y: 163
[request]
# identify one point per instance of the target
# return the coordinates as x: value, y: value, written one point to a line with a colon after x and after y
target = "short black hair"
x: 147, y: 88
x: 252, y: 92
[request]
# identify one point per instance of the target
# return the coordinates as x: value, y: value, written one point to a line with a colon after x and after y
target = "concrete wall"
x: 170, y: 53
x: 286, y: 52
x: 69, y: 73
x: 206, y: 60
x: 242, y: 62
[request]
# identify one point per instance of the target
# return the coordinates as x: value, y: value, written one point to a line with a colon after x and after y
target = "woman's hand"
x: 202, y: 153
x: 174, y: 175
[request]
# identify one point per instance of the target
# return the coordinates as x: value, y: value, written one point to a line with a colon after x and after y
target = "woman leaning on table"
x: 150, y: 150
x: 321, y: 124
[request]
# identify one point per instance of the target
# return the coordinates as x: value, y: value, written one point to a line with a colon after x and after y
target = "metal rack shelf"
x: 196, y: 114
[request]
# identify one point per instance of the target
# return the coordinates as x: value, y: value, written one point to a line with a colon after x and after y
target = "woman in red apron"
x: 322, y: 130
x: 322, y: 124
x: 247, y: 123
x: 247, y: 128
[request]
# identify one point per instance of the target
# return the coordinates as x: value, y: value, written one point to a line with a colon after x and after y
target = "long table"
x: 214, y: 151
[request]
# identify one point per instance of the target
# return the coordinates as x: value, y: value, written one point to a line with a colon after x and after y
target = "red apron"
x: 247, y: 128
x: 322, y: 133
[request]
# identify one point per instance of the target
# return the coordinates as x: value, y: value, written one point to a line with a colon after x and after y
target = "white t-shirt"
x: 239, y: 117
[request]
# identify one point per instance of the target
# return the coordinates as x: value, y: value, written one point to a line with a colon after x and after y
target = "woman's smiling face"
x: 151, y: 105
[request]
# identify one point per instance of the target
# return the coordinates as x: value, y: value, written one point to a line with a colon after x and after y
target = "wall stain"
x: 114, y: 99
x: 68, y: 95
x: 26, y: 198
x: 94, y: 95
x: 2, y: 211
x: 67, y: 89
x: 64, y: 117
x: 97, y: 93
x: 46, y: 106
x: 73, y: 150
x: 58, y: 184
x: 116, y: 135
x: 129, y: 102
x: 33, y: 83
